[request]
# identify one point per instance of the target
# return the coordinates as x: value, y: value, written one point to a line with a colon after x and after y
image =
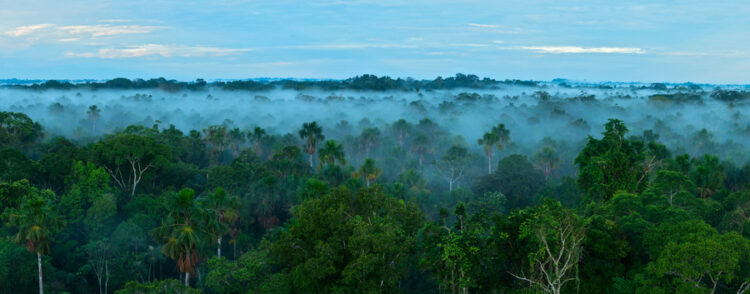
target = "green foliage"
x: 17, y: 268
x: 17, y: 130
x: 128, y: 157
x: 243, y: 211
x: 14, y: 166
x: 36, y: 220
x: 246, y: 274
x: 312, y: 133
x: 516, y: 178
x: 609, y: 164
x: 12, y: 194
x: 698, y: 264
x: 157, y: 287
x: 184, y: 231
x: 347, y: 241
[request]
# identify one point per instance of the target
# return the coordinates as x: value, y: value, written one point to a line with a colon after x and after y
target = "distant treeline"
x: 363, y: 82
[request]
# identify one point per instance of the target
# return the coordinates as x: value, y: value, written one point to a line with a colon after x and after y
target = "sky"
x: 586, y: 40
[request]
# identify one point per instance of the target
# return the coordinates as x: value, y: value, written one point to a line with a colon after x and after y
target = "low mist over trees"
x: 374, y: 185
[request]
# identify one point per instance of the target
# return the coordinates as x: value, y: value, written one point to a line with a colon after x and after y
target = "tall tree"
x: 547, y: 160
x: 368, y: 139
x: 670, y: 183
x: 217, y: 139
x: 708, y: 260
x: 331, y: 153
x: 256, y: 138
x: 236, y: 139
x: 503, y: 134
x: 37, y: 223
x: 609, y: 164
x: 402, y: 129
x: 557, y: 234
x: 223, y: 210
x: 18, y: 130
x: 495, y: 138
x: 183, y: 232
x: 93, y: 114
x: 488, y: 142
x: 708, y: 175
x: 369, y: 171
x: 127, y: 158
x: 451, y: 166
x: 312, y: 133
x: 422, y: 145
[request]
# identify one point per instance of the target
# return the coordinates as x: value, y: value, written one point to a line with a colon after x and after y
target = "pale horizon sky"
x: 646, y: 41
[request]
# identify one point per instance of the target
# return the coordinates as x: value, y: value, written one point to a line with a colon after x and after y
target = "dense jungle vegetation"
x: 374, y: 185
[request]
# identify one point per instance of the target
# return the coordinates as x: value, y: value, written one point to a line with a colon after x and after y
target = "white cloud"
x: 159, y: 50
x: 493, y: 28
x: 107, y: 30
x: 576, y: 49
x: 345, y: 46
x: 72, y: 33
x: 25, y: 30
x: 479, y: 25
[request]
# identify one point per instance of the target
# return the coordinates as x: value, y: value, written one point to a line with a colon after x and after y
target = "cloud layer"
x: 159, y: 50
x: 577, y: 50
x: 92, y: 31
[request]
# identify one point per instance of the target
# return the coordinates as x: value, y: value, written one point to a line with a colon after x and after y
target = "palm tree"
x: 93, y: 114
x: 368, y: 139
x: 183, y: 231
x: 331, y: 152
x: 503, y: 134
x: 488, y: 142
x: 222, y: 212
x: 37, y: 224
x: 368, y: 171
x: 402, y: 129
x: 547, y: 160
x: 312, y: 133
x: 217, y: 138
x: 236, y: 138
x: 421, y: 146
x: 256, y: 137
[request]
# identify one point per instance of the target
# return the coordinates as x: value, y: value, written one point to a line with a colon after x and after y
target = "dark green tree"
x: 127, y: 158
x: 312, y: 133
x: 37, y: 223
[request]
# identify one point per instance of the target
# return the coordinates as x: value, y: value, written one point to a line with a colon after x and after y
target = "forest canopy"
x: 374, y: 185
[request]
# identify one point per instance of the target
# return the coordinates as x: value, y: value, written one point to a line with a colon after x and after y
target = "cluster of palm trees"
x: 191, y: 223
x: 498, y: 137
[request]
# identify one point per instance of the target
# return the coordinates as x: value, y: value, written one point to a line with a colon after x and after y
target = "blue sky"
x: 673, y: 41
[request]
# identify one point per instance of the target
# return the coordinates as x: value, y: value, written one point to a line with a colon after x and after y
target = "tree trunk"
x: 187, y: 279
x: 99, y: 279
x: 489, y: 165
x: 311, y: 163
x: 218, y: 249
x: 39, y: 264
x: 106, y: 279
